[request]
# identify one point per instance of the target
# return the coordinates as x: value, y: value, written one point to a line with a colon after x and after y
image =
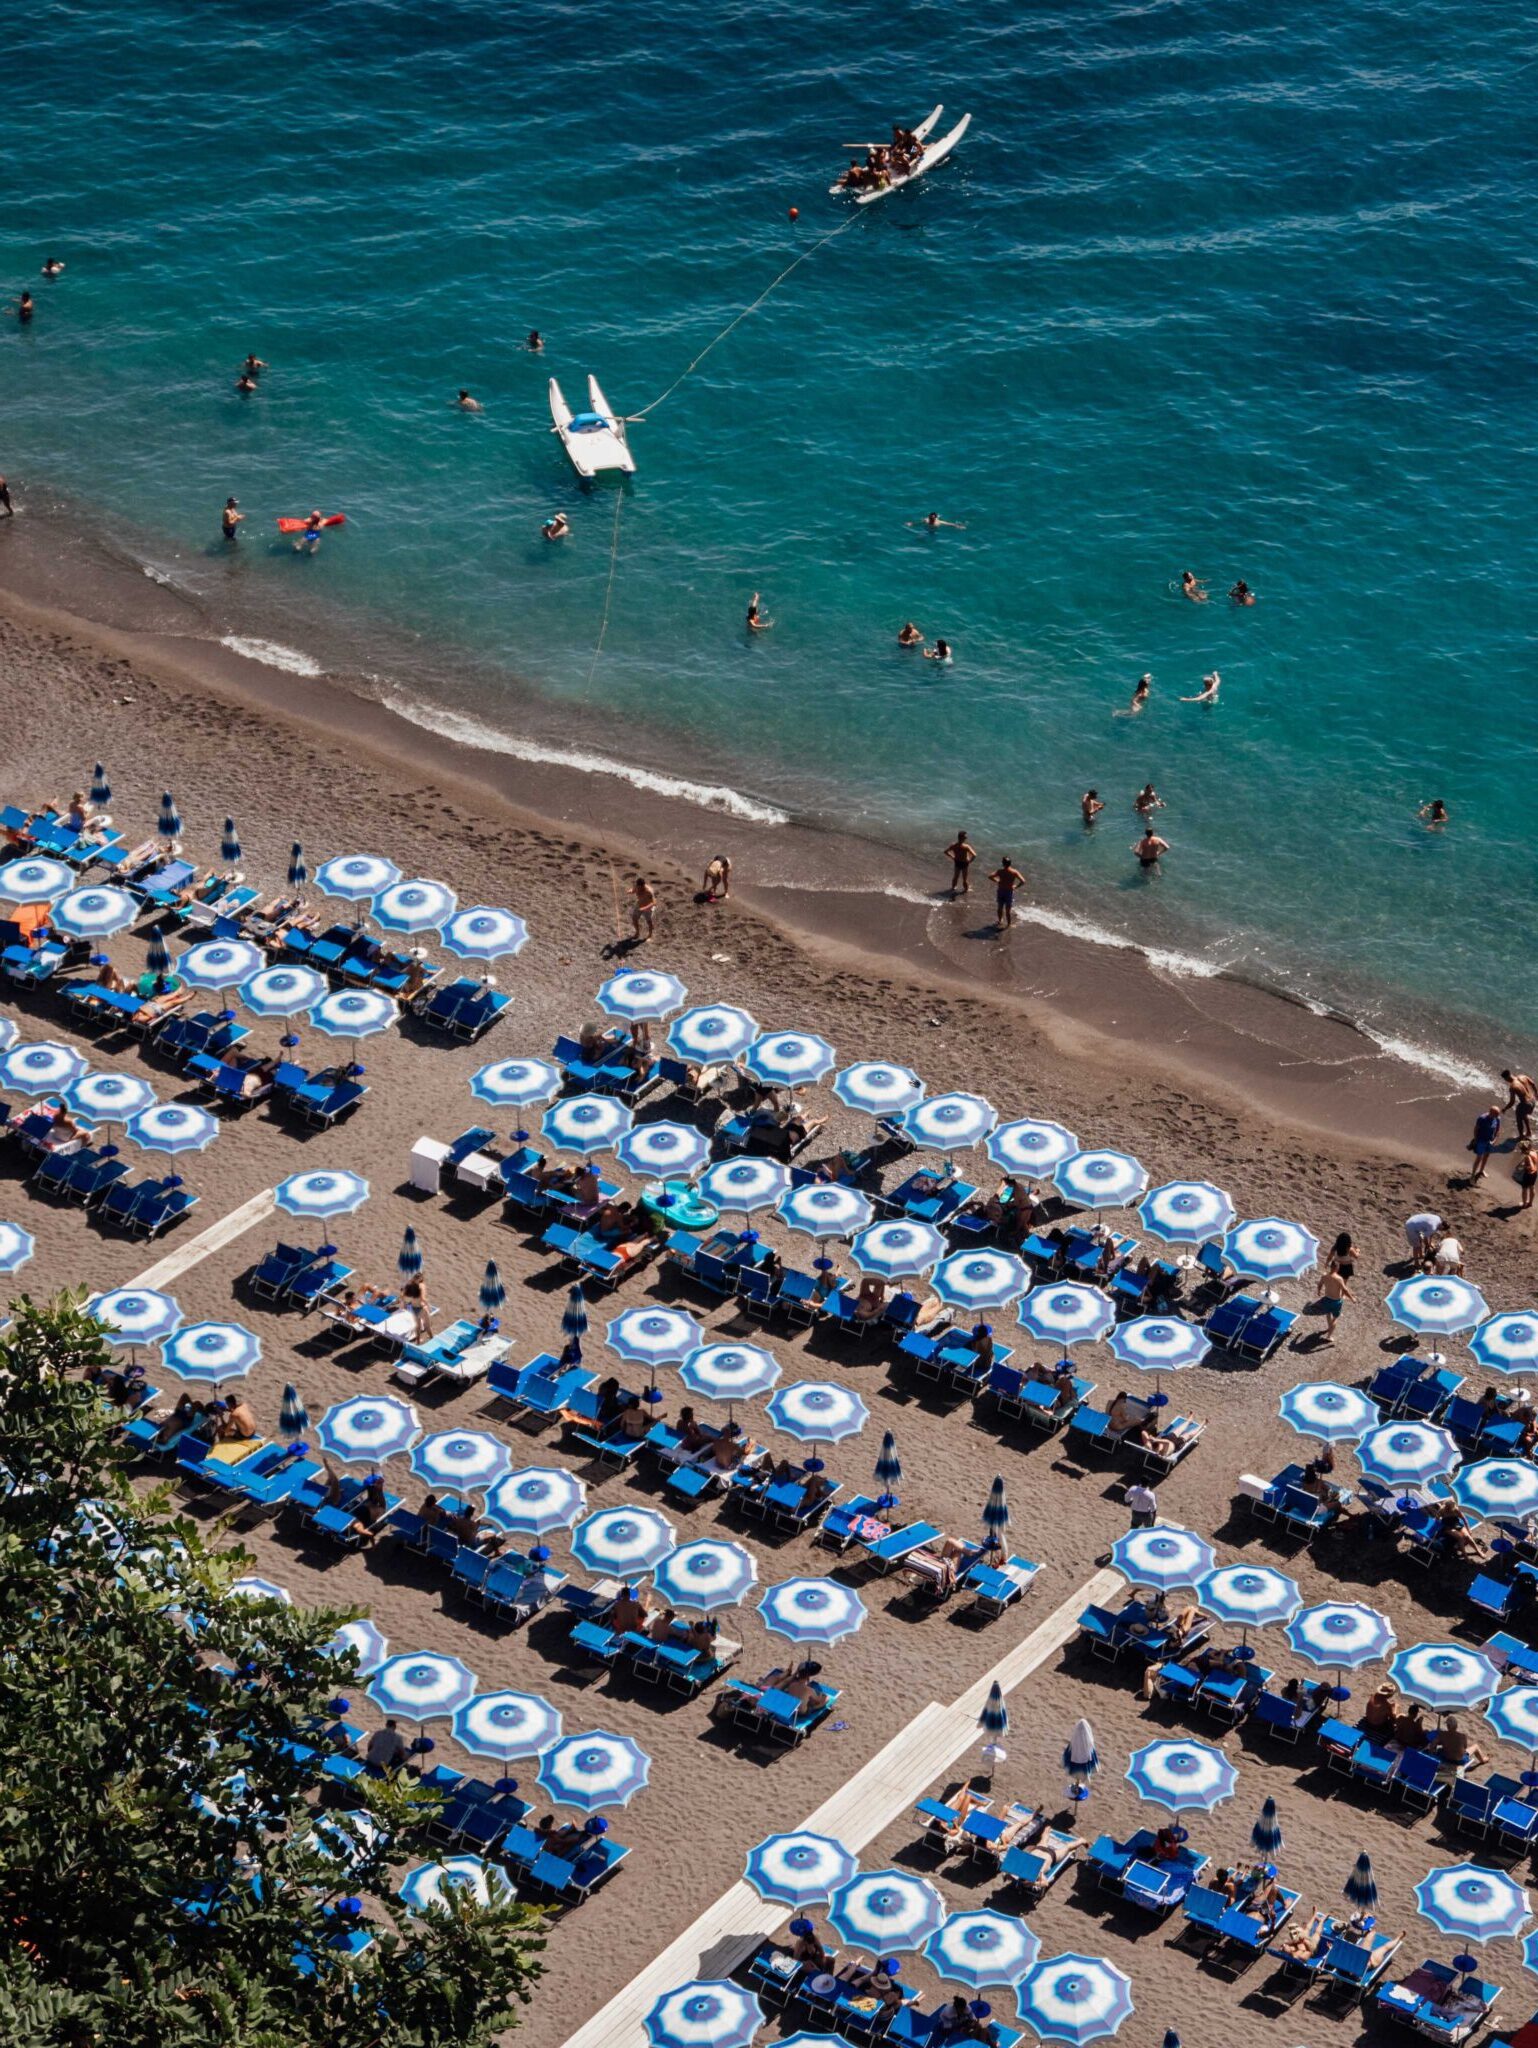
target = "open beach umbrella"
x: 1506, y: 1343
x: 654, y: 1336
x: 368, y: 1428
x: 1266, y: 1835
x: 743, y: 1185
x: 1100, y: 1180
x: 492, y: 1293
x: 229, y: 843
x: 1323, y: 1409
x: 172, y: 1127
x: 812, y: 1610
x: 982, y: 1947
x: 878, y: 1087
x: 712, y: 1032
x: 35, y: 879
x: 537, y: 1499
x: 1074, y: 1998
x: 798, y: 1869
x: 1186, y: 1211
x: 788, y: 1059
x: 360, y: 1639
x: 253, y: 1588
x: 355, y: 877
x: 1249, y: 1595
x: 1031, y: 1146
x: 624, y: 1542
x: 1439, y: 1304
x: 996, y: 1511
x: 886, y: 1911
x: 293, y: 1416
x: 1066, y: 1312
x: 1471, y: 1903
x: 662, y: 1150
x: 729, y: 1372
x: 461, y: 1459
x: 169, y: 822
x: 16, y: 1247
x: 593, y: 1770
x: 706, y: 1574
x: 298, y: 872
x: 574, y: 1314
x: 321, y: 1192
x: 414, y: 906
x: 1361, y: 1887
x: 441, y: 1886
x: 41, y: 1068
x: 220, y: 963
x: 484, y: 933
x: 506, y: 1725
x: 212, y: 1351
x: 888, y: 1468
x: 421, y: 1685
x: 1444, y: 1676
x: 1164, y: 1556
x: 824, y: 1209
x: 1505, y: 1487
x: 704, y: 2013
x: 1513, y: 1714
x: 897, y: 1249
x: 639, y: 994
x: 136, y: 1315
x: 354, y: 1013
x: 101, y: 788
x: 1182, y: 1775
x: 408, y: 1260
x: 586, y: 1123
x: 1160, y: 1344
x: 1270, y: 1248
x: 950, y: 1123
x: 980, y: 1279
x: 1340, y: 1635
x: 108, y: 1098
x: 1408, y: 1453
x: 282, y: 991
x: 817, y: 1411
x: 517, y: 1082
x: 94, y: 913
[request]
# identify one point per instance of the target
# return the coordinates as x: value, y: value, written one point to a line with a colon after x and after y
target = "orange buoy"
x: 795, y: 213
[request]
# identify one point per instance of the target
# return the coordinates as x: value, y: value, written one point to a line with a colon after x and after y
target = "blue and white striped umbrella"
x: 1507, y: 1343
x: 1340, y: 1635
x: 1100, y: 1179
x: 1186, y: 1211
x: 1513, y: 1714
x: 484, y: 933
x: 574, y: 1315
x: 537, y: 1499
x: 1081, y: 1760
x: 355, y: 877
x: 950, y: 1123
x: 743, y: 1185
x: 136, y: 1315
x: 293, y: 1416
x: 1074, y: 1998
x: 1032, y: 1146
x: 1407, y: 1453
x: 408, y: 1260
x: 1065, y: 1312
x: 415, y: 906
x: 812, y: 1610
x: 101, y: 788
x: 360, y: 1639
x: 461, y: 1458
x: 41, y: 1068
x: 1163, y: 1556
x: 506, y: 1725
x: 729, y: 1372
x: 788, y: 1059
x: 886, y: 1911
x: 982, y: 1279
x: 354, y: 1013
x: 282, y: 991
x: 1471, y: 1903
x: 1322, y: 1408
x: 897, y: 1248
x: 492, y: 1293
x: 1361, y: 1887
x: 1249, y: 1595
x: 663, y: 1149
x: 817, y: 1412
x: 169, y: 822
x: 172, y: 1127
x: 1266, y: 1834
x: 212, y: 1351
x: 878, y: 1087
x: 982, y: 1947
x: 1436, y: 1302
x: 220, y: 963
x: 421, y: 1685
x: 8, y: 1034
x: 229, y: 843
x: 1182, y: 1775
x: 298, y: 872
x: 888, y: 1466
x: 585, y: 1123
x: 108, y: 1098
x: 589, y: 1771
x: 654, y: 1336
x: 639, y: 994
x: 35, y: 880
x: 368, y: 1428
x: 253, y: 1588
x: 824, y: 1209
x: 1159, y: 1343
x: 157, y: 955
x: 506, y: 1082
x: 994, y: 1718
x: 443, y: 1886
x: 94, y: 913
x: 624, y: 1541
x: 1498, y: 1487
x: 1270, y: 1248
x: 16, y: 1247
x: 707, y: 1573
x: 1444, y: 1676
x: 712, y: 1031
x: 996, y: 1508
x: 321, y: 1192
x: 705, y: 2013
x: 799, y: 1869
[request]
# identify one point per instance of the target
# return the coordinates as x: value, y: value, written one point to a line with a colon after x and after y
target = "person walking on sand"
x: 1091, y: 804
x: 230, y: 518
x: 961, y: 853
x: 1149, y: 850
x: 643, y: 914
x: 756, y: 622
x: 1487, y: 1131
x: 1142, y: 1504
x: 1006, y: 879
x: 1522, y: 1090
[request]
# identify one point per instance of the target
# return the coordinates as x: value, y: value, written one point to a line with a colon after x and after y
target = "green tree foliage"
x: 169, y: 1876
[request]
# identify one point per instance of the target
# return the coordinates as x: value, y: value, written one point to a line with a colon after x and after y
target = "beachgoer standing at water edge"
x: 5, y: 500
x: 961, y: 853
x: 643, y: 915
x: 230, y: 518
x: 1487, y: 1131
x: 1522, y: 1089
x: 1149, y: 850
x: 1006, y: 879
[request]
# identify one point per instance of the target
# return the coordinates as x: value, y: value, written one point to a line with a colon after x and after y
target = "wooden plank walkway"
x: 213, y: 1239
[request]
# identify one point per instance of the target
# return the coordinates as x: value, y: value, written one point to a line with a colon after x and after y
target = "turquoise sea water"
x: 1246, y: 291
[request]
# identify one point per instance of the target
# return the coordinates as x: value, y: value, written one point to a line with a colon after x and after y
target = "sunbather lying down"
x: 1301, y: 1939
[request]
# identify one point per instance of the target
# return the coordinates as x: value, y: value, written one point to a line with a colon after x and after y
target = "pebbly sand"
x: 1362, y: 1155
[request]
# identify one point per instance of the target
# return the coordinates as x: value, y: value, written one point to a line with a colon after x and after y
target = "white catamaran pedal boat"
x: 595, y: 439
x: 931, y: 154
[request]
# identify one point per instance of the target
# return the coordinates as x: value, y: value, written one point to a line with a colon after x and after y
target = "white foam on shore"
x: 470, y: 732
x: 1190, y: 965
x: 273, y: 653
x: 1445, y: 1065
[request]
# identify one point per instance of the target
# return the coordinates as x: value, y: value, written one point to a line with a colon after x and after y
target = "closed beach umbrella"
x: 492, y: 1292
x: 101, y: 788
x: 1266, y: 1835
x: 788, y: 1059
x: 1408, y: 1453
x: 706, y: 1574
x: 743, y: 1185
x: 8, y: 1034
x: 354, y: 1013
x: 368, y: 1428
x: 950, y: 1123
x: 1340, y: 1634
x: 996, y: 1511
x: 1323, y: 1409
x: 585, y: 1123
x: 897, y: 1249
x: 360, y: 1639
x: 878, y: 1087
x: 1437, y: 1303
x: 136, y: 1315
x: 1032, y: 1146
x: 729, y: 1372
x: 589, y: 1771
x: 422, y: 1685
x: 824, y: 1209
x: 1249, y: 1595
x: 212, y: 1351
x: 994, y: 1718
x: 1101, y: 1179
x: 1066, y: 1312
x: 704, y: 2013
x: 1182, y: 1775
x: 41, y: 1068
x: 537, y: 1499
x: 981, y: 1279
x: 663, y: 1149
x: 93, y: 913
x: 1081, y: 1760
x: 1471, y: 1903
x: 293, y: 1416
x: 460, y: 1458
x: 1513, y: 1714
x: 483, y: 933
x: 1163, y: 1557
x: 654, y: 1336
x: 817, y: 1411
x: 282, y: 991
x: 1186, y: 1211
x: 1361, y: 1888
x: 108, y: 1098
x: 408, y: 1260
x: 886, y: 1911
x: 1160, y: 1344
x: 1444, y: 1676
x: 16, y: 1247
x: 321, y: 1192
x: 355, y: 877
x: 712, y: 1032
x: 574, y: 1314
x: 982, y: 1947
x: 1498, y: 1487
x: 798, y: 1869
x: 637, y: 995
x: 229, y: 844
x: 172, y: 1127
x: 1271, y: 1249
x: 298, y: 873
x: 220, y: 963
x: 506, y: 1725
x: 415, y: 906
x: 157, y: 956
x: 1507, y: 1343
x: 443, y: 1886
x: 1074, y: 1998
x: 35, y: 880
x: 812, y: 1610
x: 169, y: 822
x: 510, y: 1082
x: 623, y: 1541
x: 888, y: 1467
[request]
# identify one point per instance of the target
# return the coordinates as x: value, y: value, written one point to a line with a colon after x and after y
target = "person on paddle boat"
x: 910, y: 636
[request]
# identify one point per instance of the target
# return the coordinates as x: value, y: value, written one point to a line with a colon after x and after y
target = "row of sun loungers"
x: 98, y: 1178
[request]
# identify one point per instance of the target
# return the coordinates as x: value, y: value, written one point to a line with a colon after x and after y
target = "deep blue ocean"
x: 1246, y: 291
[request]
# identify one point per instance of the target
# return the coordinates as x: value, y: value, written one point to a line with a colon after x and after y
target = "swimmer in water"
x: 230, y: 518
x: 1148, y: 850
x: 910, y: 636
x: 1209, y: 691
x: 1433, y: 815
x: 941, y: 651
x: 468, y: 404
x: 25, y: 308
x: 932, y: 520
x: 1242, y: 593
x: 556, y: 527
x: 245, y: 383
x: 1140, y: 696
x: 1091, y: 804
x: 52, y: 267
x: 1191, y: 587
x: 535, y: 342
x: 1147, y: 801
x: 252, y: 367
x: 756, y: 622
x: 309, y: 540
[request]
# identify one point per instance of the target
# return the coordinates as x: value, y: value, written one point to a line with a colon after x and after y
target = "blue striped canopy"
x: 1100, y: 1180
x: 729, y: 1372
x: 506, y: 1724
x: 639, y: 993
x: 585, y: 1123
x: 1075, y: 1998
x: 101, y: 788
x: 1182, y: 1775
x: 1322, y: 1408
x: 16, y: 1247
x: 886, y: 1911
x: 1437, y: 1302
x: 660, y: 1149
x: 623, y: 1541
x: 1507, y: 1343
x: 136, y: 1315
x: 1494, y: 1487
x: 506, y: 1082
x: 1407, y: 1453
x: 711, y: 1032
x: 439, y: 1886
x: 980, y: 1279
x: 35, y: 879
x: 254, y: 1588
x: 42, y: 1067
x: 825, y: 1209
x: 414, y: 906
x: 298, y: 872
x: 1513, y: 1714
x: 574, y: 1315
x: 1266, y: 1834
x: 229, y: 843
x: 743, y: 1185
x: 982, y: 1947
x: 878, y: 1087
x: 705, y: 2013
x: 817, y: 1411
x: 798, y: 1869
x: 354, y: 1013
x: 888, y: 1467
x: 788, y: 1059
x: 1471, y: 1903
x: 897, y: 1248
x: 94, y: 913
x: 408, y: 1260
x: 1163, y: 1557
x: 707, y: 1573
x: 653, y: 1336
x: 1066, y: 1312
x: 172, y: 1127
x: 1340, y: 1634
x: 812, y: 1610
x: 994, y: 1718
x: 220, y: 963
x: 293, y: 1416
x: 212, y: 1351
x: 108, y: 1098
x: 1159, y: 1343
x: 368, y: 1428
x: 282, y: 991
x: 355, y: 877
x: 169, y: 823
x: 360, y: 1639
x: 593, y: 1770
x: 484, y: 933
x: 422, y: 1685
x: 460, y: 1458
x: 1249, y: 1595
x: 1186, y: 1211
x: 996, y: 1507
x: 1270, y: 1248
x: 157, y: 955
x: 1444, y: 1676
x: 1361, y: 1887
x: 321, y: 1192
x: 537, y: 1499
x: 1030, y: 1145
x: 950, y: 1123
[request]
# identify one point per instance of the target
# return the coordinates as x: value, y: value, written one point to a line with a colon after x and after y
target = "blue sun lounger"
x: 887, y: 1552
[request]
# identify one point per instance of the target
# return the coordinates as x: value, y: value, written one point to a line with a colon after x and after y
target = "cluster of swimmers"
x: 885, y: 161
x: 1195, y: 589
